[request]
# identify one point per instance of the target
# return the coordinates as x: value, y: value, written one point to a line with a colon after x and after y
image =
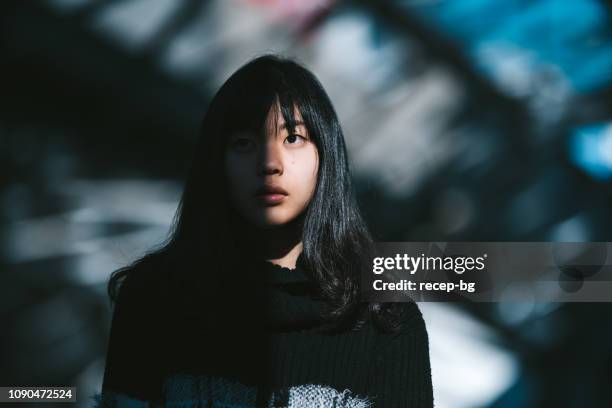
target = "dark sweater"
x: 267, y: 350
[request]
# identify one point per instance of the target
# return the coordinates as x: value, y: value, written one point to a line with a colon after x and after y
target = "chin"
x: 273, y: 219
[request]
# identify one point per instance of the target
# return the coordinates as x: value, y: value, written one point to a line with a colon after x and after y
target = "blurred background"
x: 466, y: 120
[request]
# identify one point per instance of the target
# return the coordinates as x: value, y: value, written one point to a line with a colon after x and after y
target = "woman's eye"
x: 294, y: 139
x: 242, y: 144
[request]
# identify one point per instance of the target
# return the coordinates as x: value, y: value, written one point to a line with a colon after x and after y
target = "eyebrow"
x: 295, y: 124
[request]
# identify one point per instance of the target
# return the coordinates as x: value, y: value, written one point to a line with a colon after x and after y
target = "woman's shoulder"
x: 407, y: 319
x: 142, y: 282
x: 410, y: 318
x: 410, y: 328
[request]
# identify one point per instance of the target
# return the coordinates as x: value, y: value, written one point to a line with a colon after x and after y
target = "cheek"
x: 308, y: 174
x: 313, y: 177
x: 234, y: 174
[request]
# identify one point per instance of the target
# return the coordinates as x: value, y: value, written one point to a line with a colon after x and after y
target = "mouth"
x: 271, y: 194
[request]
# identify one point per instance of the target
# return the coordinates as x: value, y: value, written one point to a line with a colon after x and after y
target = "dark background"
x: 466, y: 120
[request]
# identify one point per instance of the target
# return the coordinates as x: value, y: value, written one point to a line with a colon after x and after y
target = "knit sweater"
x: 266, y: 350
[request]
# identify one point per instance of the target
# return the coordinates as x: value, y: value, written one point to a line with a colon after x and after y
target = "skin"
x: 276, y: 156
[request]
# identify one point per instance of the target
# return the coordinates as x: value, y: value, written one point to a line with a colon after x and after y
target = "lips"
x: 271, y: 189
x: 271, y: 194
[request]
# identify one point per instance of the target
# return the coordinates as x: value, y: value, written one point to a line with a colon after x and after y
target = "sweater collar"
x: 276, y: 274
x: 290, y: 298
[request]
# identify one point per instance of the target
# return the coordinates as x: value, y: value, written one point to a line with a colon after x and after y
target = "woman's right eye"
x: 242, y: 144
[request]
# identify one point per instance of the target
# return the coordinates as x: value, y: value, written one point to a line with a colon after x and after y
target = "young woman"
x: 254, y: 299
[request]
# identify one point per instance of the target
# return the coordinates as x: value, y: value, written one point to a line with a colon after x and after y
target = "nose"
x: 270, y: 161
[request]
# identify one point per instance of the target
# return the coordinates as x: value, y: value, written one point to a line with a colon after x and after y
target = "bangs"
x: 250, y: 98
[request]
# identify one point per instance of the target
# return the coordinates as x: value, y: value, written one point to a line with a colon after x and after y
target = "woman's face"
x: 272, y: 174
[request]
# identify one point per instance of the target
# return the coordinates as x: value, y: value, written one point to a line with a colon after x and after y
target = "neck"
x: 289, y: 259
x: 280, y: 245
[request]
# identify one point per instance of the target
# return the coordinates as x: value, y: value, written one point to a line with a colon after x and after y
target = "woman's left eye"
x: 295, y: 139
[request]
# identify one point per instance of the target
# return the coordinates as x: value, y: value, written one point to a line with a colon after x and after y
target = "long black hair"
x: 336, y: 241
